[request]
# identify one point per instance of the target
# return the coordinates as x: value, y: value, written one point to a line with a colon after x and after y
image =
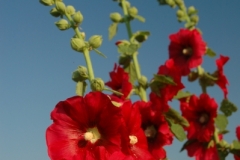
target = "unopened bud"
x: 179, y: 2
x: 115, y: 17
x: 60, y: 6
x: 78, y: 17
x: 192, y: 76
x: 54, y: 12
x: 81, y: 74
x: 171, y: 3
x: 97, y: 84
x: 95, y: 41
x: 62, y: 24
x: 133, y: 11
x: 47, y: 2
x: 70, y: 10
x: 143, y: 81
x: 77, y: 44
x: 191, y: 10
x: 180, y: 13
x: 195, y: 19
x: 128, y: 5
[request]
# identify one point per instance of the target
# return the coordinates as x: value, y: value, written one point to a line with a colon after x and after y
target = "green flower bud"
x: 47, y: 2
x: 133, y: 11
x: 54, y: 12
x: 179, y: 2
x: 115, y: 17
x: 82, y: 34
x: 143, y: 81
x: 77, y: 44
x: 95, y: 41
x: 81, y: 74
x: 97, y: 84
x: 195, y: 19
x: 60, y: 6
x: 171, y: 3
x: 78, y: 17
x: 192, y: 10
x: 180, y: 13
x: 192, y: 76
x: 62, y: 24
x: 70, y: 10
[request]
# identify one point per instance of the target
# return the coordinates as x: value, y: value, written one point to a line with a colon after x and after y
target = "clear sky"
x: 36, y: 62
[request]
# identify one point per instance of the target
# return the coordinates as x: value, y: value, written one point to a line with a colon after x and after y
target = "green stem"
x: 89, y: 64
x: 143, y: 94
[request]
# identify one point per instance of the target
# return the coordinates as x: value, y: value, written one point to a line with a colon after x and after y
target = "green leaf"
x: 164, y: 79
x: 175, y: 116
x: 222, y: 154
x: 188, y: 142
x: 228, y: 107
x: 81, y: 88
x: 112, y: 30
x: 100, y: 53
x: 221, y: 122
x: 140, y: 18
x: 236, y: 144
x: 224, y: 132
x: 177, y: 130
x: 182, y: 94
x: 127, y: 49
x: 132, y: 72
x: 210, y: 52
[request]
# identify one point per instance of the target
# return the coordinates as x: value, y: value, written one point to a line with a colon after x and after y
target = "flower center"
x: 150, y: 132
x: 203, y: 119
x: 187, y: 51
x: 133, y: 139
x: 92, y: 135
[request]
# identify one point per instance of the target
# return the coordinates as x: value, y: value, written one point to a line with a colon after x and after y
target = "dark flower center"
x: 187, y: 51
x: 82, y: 143
x: 150, y: 132
x: 204, y: 118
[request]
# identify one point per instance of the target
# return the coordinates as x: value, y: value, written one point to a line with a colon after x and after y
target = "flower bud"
x: 192, y: 76
x: 115, y: 17
x: 77, y: 44
x: 171, y: 3
x: 70, y: 10
x: 81, y: 74
x: 95, y: 41
x: 195, y: 19
x: 47, y: 2
x: 191, y: 10
x: 60, y: 6
x: 78, y: 17
x: 128, y: 5
x: 97, y: 84
x: 179, y: 2
x: 180, y: 13
x: 62, y: 24
x: 143, y: 81
x: 54, y: 12
x: 133, y: 11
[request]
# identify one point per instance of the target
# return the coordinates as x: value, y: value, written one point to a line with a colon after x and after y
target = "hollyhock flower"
x: 186, y: 49
x: 155, y: 127
x: 236, y: 157
x: 200, y: 151
x: 120, y: 81
x: 200, y: 113
x: 134, y: 142
x: 168, y: 91
x: 85, y: 128
x: 222, y: 81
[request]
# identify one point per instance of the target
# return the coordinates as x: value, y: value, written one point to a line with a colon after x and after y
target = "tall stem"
x: 142, y: 94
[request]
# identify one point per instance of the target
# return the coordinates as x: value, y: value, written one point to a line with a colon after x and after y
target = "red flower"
x: 85, y: 128
x: 200, y: 151
x: 237, y: 157
x: 200, y: 113
x: 222, y: 81
x: 186, y: 49
x: 120, y: 81
x: 168, y: 91
x: 156, y: 129
x: 134, y: 142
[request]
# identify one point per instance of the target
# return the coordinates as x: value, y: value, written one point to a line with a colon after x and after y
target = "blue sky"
x: 36, y: 62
